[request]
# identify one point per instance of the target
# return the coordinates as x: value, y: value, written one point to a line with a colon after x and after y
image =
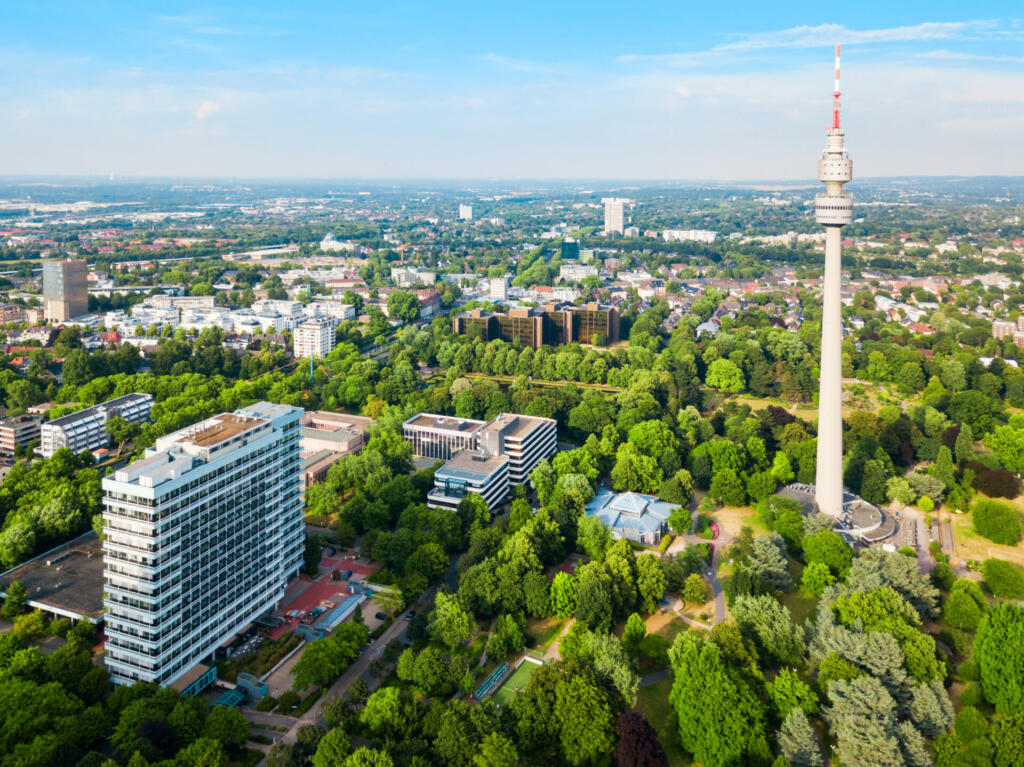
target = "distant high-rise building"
x: 833, y: 209
x: 199, y: 540
x: 65, y: 290
x: 314, y: 337
x: 614, y: 220
x: 466, y: 212
x: 498, y: 288
x: 570, y: 249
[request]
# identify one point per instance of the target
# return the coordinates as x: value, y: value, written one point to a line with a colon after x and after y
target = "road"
x: 360, y: 669
x: 723, y: 540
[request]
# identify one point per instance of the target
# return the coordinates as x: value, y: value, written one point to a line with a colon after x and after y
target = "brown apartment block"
x: 19, y: 430
x: 553, y: 324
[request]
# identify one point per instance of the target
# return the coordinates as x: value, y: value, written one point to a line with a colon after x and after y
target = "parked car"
x: 410, y: 615
x: 381, y: 617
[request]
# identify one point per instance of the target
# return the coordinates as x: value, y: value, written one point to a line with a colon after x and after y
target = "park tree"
x: 585, y: 721
x: 1004, y: 579
x: 449, y: 621
x: 963, y: 448
x: 782, y: 468
x: 594, y: 537
x: 1008, y: 740
x: 766, y: 620
x: 677, y: 489
x: 695, y: 590
x: 829, y: 548
x: 965, y: 605
x: 798, y: 742
x: 651, y: 582
x: 720, y: 717
x: 634, y: 471
x: 816, y: 578
x: 595, y: 600
x: 227, y: 726
x: 863, y: 719
x: 788, y: 691
x: 637, y: 743
x: 563, y: 594
x: 728, y: 488
x: 368, y: 757
x: 633, y: 633
x: 544, y: 478
x: 333, y: 748
x: 874, y: 568
x: 325, y: 659
x: 385, y: 711
x: 725, y: 376
x: 496, y: 751
x: 403, y: 306
x: 767, y: 561
x: 15, y: 601
x: 999, y: 651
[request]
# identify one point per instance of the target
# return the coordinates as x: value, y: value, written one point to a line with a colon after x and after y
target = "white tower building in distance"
x: 614, y: 217
x: 833, y: 209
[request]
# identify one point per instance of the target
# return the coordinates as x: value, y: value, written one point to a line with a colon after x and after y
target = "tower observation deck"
x: 833, y: 209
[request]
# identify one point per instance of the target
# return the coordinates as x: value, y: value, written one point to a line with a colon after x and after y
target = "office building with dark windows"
x: 554, y: 324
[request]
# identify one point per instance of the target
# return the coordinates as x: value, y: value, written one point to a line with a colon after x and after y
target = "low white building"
x: 689, y: 235
x: 470, y: 472
x: 86, y: 429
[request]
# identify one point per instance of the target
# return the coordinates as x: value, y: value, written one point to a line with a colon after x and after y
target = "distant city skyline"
x: 451, y: 90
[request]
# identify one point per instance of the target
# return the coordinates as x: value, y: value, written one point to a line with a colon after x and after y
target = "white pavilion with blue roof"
x: 633, y: 516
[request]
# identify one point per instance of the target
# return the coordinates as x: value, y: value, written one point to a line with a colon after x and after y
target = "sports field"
x: 516, y: 681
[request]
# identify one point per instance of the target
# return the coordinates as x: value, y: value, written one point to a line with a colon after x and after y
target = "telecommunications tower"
x: 833, y: 208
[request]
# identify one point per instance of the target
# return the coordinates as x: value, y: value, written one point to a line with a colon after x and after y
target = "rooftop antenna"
x: 835, y: 94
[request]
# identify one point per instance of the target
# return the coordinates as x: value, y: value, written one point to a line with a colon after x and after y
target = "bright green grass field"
x: 517, y: 681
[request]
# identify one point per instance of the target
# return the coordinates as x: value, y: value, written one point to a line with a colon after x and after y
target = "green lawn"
x: 517, y: 681
x: 652, y: 703
x: 544, y: 631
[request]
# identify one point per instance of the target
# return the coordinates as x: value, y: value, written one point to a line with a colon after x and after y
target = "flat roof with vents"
x: 447, y: 423
x: 67, y: 580
x: 472, y: 465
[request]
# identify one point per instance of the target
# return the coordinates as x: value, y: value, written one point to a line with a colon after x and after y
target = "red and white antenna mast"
x: 835, y: 94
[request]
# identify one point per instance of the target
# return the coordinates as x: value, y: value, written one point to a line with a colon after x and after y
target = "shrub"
x: 943, y: 576
x: 925, y: 503
x: 971, y: 696
x: 969, y: 670
x: 997, y: 521
x: 1005, y: 579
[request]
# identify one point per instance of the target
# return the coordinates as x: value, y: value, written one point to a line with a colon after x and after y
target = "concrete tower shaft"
x: 833, y: 209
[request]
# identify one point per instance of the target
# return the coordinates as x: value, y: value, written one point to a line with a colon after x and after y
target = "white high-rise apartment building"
x: 200, y: 538
x: 613, y: 214
x: 314, y: 337
x: 498, y: 288
x: 466, y: 212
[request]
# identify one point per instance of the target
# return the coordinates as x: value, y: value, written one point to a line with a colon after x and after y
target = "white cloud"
x: 824, y: 35
x: 944, y: 55
x: 515, y: 65
x: 206, y: 109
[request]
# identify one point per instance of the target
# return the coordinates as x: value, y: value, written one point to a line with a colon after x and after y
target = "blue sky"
x: 648, y: 90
